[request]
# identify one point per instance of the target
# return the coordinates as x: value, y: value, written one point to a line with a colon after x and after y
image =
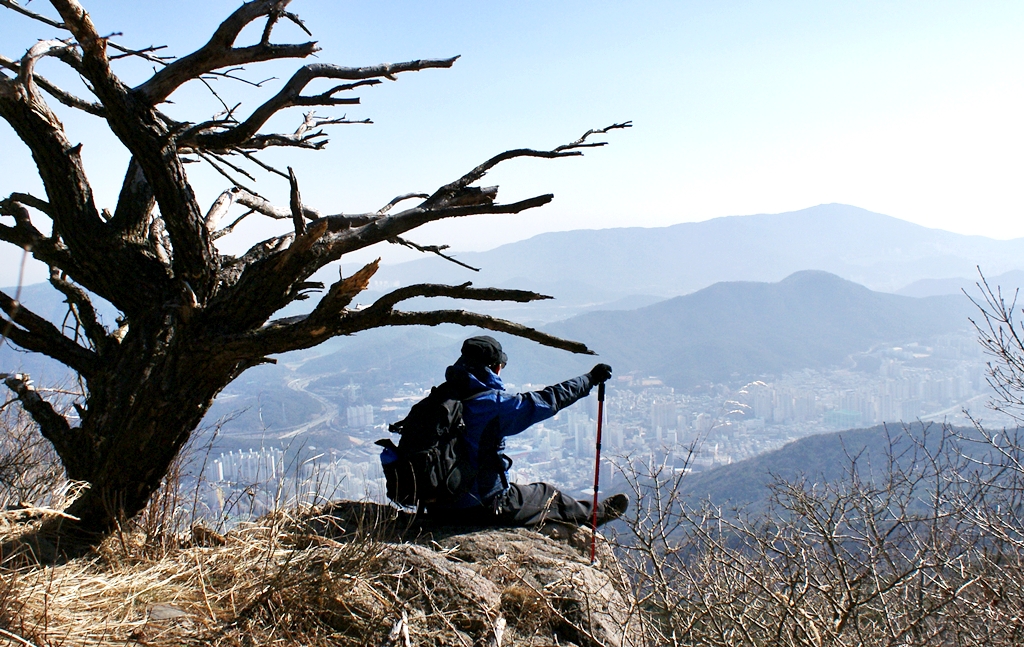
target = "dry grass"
x: 280, y: 579
x: 264, y: 583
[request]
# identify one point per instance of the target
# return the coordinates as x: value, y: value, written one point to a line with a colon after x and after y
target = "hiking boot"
x: 612, y: 508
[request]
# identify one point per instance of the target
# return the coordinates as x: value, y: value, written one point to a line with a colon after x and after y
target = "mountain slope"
x: 872, y: 249
x: 811, y: 319
x: 1007, y: 282
x: 824, y: 458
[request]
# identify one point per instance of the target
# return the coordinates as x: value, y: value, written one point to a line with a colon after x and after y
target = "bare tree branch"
x: 260, y: 205
x: 402, y: 198
x: 145, y: 133
x: 301, y: 138
x: 83, y: 310
x: 330, y: 318
x: 63, y: 96
x: 58, y: 162
x: 465, y: 318
x: 220, y: 208
x: 14, y: 6
x: 463, y: 291
x: 30, y: 200
x: 290, y: 95
x: 25, y: 235
x: 392, y: 225
x: 275, y: 264
x: 295, y: 202
x: 453, y: 200
x: 234, y: 167
x: 26, y: 75
x: 219, y: 52
x: 431, y: 249
x: 227, y: 230
x: 339, y: 296
x: 1002, y: 337
x: 145, y: 53
x: 257, y: 161
x: 208, y: 158
x: 456, y: 189
x: 53, y: 426
x: 32, y: 332
x: 134, y: 204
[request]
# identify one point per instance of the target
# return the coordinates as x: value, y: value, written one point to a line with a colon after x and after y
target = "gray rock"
x: 476, y: 584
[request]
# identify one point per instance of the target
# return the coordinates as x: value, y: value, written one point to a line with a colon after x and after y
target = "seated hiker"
x: 490, y: 416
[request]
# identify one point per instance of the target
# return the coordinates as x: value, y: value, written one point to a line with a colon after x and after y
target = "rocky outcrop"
x: 348, y: 574
x: 494, y: 586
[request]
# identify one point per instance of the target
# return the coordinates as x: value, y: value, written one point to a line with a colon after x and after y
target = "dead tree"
x: 192, y: 318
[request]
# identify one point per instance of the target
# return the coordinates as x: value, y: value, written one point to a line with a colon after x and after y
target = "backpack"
x: 430, y: 463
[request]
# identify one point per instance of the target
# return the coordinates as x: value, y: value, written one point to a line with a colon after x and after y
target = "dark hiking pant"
x: 522, y: 505
x: 533, y: 504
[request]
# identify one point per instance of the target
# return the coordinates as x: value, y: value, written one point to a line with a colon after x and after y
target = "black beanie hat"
x: 483, y: 351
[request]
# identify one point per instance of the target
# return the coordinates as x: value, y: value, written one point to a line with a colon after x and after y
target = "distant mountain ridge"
x: 811, y: 319
x: 820, y: 458
x: 875, y: 250
x: 1008, y: 282
x: 729, y: 331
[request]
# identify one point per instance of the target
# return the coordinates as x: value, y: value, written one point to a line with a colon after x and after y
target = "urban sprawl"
x: 697, y: 429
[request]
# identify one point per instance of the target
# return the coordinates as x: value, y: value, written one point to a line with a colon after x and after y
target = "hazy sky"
x: 912, y: 109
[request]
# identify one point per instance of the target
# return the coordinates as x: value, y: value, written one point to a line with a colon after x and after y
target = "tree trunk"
x: 137, y: 417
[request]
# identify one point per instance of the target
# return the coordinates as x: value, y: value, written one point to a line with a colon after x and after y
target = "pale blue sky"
x: 913, y: 109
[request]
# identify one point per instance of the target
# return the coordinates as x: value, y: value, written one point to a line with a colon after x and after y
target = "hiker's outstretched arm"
x: 520, y: 411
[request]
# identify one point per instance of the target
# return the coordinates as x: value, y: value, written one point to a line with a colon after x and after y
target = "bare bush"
x: 1001, y: 334
x: 911, y: 552
x: 29, y: 473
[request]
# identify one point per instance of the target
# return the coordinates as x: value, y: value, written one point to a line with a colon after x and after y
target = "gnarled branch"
x: 134, y: 204
x: 82, y: 310
x: 290, y: 95
x: 53, y: 426
x: 42, y: 249
x: 463, y: 291
x: 465, y: 318
x: 275, y: 264
x: 295, y: 202
x: 389, y: 226
x: 431, y: 249
x: 219, y: 51
x: 14, y: 6
x: 261, y: 205
x: 145, y: 133
x: 331, y: 318
x: 32, y: 332
x: 454, y: 191
x: 52, y: 89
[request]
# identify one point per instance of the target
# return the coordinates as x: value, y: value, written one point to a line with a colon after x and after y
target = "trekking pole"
x: 597, y: 473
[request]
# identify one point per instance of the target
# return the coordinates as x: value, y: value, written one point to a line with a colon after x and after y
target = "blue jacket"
x: 491, y: 415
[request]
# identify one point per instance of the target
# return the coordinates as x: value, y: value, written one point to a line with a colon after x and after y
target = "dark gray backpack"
x: 430, y: 463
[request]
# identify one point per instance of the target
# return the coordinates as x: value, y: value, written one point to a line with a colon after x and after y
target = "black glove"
x: 600, y: 373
